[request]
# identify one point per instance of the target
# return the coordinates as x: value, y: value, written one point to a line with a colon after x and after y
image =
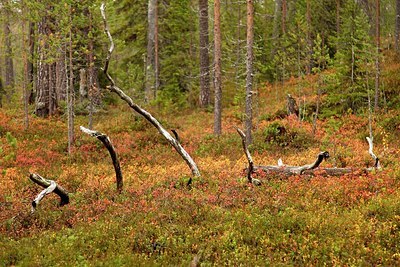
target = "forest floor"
x: 301, y: 220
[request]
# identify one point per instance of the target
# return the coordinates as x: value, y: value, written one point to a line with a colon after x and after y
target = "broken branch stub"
x: 113, y: 88
x: 50, y: 186
x: 107, y: 143
x: 377, y: 164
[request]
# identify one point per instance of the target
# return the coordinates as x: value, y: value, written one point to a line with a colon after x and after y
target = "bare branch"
x: 50, y: 186
x: 113, y: 88
x: 107, y: 143
x: 377, y: 164
x: 250, y: 169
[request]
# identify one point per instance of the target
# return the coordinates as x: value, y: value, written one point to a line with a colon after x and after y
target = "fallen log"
x: 50, y: 186
x: 107, y: 143
x: 114, y: 88
x: 293, y: 170
x: 308, y: 169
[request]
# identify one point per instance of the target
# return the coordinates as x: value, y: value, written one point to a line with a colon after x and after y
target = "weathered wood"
x: 293, y: 170
x: 113, y: 88
x: 377, y: 164
x: 292, y: 107
x: 250, y: 169
x: 50, y: 186
x: 107, y: 143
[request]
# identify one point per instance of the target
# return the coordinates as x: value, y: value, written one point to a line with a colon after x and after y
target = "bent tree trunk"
x: 107, y: 143
x: 113, y: 88
x: 50, y: 186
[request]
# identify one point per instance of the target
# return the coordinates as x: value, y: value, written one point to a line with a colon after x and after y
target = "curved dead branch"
x: 107, y: 143
x: 250, y: 169
x: 50, y: 186
x: 113, y: 88
x: 377, y: 164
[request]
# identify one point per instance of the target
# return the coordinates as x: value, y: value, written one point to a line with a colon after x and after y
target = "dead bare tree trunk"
x: 309, y: 40
x: 70, y: 97
x: 107, y: 143
x: 377, y: 60
x: 54, y: 187
x: 217, y: 68
x: 113, y: 88
x: 249, y: 71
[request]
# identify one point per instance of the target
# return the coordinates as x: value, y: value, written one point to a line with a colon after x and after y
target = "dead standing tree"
x: 113, y: 88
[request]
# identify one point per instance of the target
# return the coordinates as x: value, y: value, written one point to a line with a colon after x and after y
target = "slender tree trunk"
x: 377, y: 61
x: 249, y: 71
x: 31, y: 72
x: 42, y: 86
x: 284, y: 14
x: 238, y: 49
x: 217, y: 70
x: 309, y: 40
x: 275, y: 31
x: 70, y: 98
x: 337, y: 23
x: 91, y: 84
x: 204, y: 57
x: 9, y: 64
x: 25, y: 75
x: 397, y: 26
x: 151, y: 45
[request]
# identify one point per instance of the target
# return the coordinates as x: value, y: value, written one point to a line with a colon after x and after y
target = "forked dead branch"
x: 308, y: 169
x: 114, y: 88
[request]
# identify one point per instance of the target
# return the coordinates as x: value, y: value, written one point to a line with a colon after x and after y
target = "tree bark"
x: 397, y: 27
x: 217, y: 68
x: 377, y: 60
x: 284, y: 14
x: 249, y: 71
x: 309, y: 40
x: 42, y: 86
x: 9, y: 64
x: 151, y: 68
x: 204, y: 55
x: 275, y: 31
x: 70, y: 98
x: 107, y: 143
x: 25, y: 76
x: 31, y: 71
x: 113, y: 88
